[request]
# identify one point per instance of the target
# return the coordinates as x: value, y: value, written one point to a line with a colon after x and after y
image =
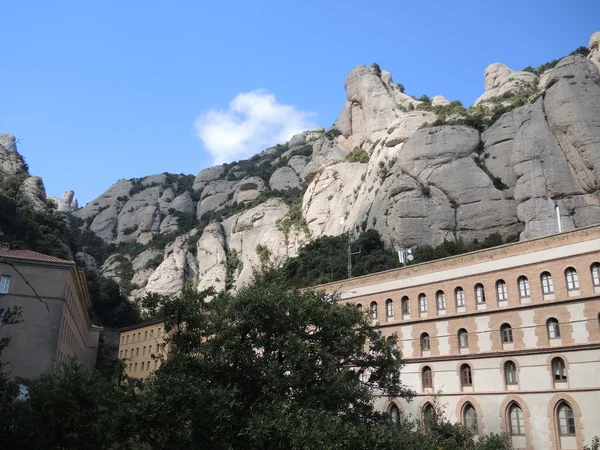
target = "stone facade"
x: 529, y: 361
x: 142, y: 348
x: 55, y: 303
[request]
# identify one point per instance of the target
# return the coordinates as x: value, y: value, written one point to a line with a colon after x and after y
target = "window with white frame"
x: 459, y: 294
x: 466, y: 378
x: 566, y: 420
x: 510, y: 373
x: 517, y: 420
x: 405, y: 305
x: 559, y: 369
x: 425, y: 344
x: 506, y: 333
x: 427, y: 377
x: 595, y: 268
x: 479, y: 293
x: 524, y: 291
x: 502, y: 290
x: 374, y: 310
x: 441, y: 300
x: 389, y: 308
x: 470, y: 418
x: 547, y: 283
x: 572, y: 279
x: 553, y: 328
x: 4, y: 284
x: 422, y: 303
x: 463, y: 338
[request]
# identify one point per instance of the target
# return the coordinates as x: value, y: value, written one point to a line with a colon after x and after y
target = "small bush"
x: 357, y: 155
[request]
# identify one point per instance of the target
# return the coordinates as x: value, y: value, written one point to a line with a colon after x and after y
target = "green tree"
x: 267, y: 367
x: 73, y: 408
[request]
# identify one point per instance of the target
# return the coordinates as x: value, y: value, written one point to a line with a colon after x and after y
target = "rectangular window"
x: 144, y: 351
x: 155, y: 363
x: 423, y: 304
x: 4, y: 284
x: 145, y: 335
x: 135, y: 367
x: 142, y: 366
x: 137, y: 351
x: 150, y: 350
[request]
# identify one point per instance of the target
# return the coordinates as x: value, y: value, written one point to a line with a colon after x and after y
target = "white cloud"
x: 253, y: 122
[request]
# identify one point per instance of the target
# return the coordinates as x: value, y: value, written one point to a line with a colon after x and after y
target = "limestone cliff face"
x: 428, y: 171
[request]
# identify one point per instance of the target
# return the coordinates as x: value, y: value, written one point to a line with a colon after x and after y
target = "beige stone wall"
x: 142, y: 348
x: 47, y: 336
x: 531, y: 350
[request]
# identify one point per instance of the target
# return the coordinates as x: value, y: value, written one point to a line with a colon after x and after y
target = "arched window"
x: 547, y: 283
x: 463, y: 338
x: 479, y: 293
x: 389, y: 307
x: 425, y: 345
x: 510, y: 373
x: 502, y: 290
x: 441, y: 300
x: 559, y: 370
x: 470, y: 418
x: 459, y: 295
x: 394, y: 412
x: 427, y: 377
x: 422, y: 303
x: 506, y: 333
x: 595, y: 268
x: 524, y: 291
x: 405, y: 305
x: 359, y: 306
x: 428, y: 415
x: 572, y: 279
x: 517, y: 420
x: 374, y: 310
x: 553, y: 328
x: 566, y: 420
x: 125, y: 353
x: 466, y: 378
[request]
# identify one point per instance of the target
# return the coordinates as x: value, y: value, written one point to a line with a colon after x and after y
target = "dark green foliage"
x: 551, y: 64
x: 25, y: 228
x: 73, y: 408
x: 423, y: 253
x: 185, y: 221
x: 232, y: 396
x: 377, y: 69
x: 332, y: 133
x: 130, y: 230
x: 358, y: 155
x: 264, y: 164
x: 424, y: 98
x: 109, y: 306
x: 325, y: 259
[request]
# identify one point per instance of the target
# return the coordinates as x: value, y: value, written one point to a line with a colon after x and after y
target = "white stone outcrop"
x: 212, y: 258
x: 500, y: 79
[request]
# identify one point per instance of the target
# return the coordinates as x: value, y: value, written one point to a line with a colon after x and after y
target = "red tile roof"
x: 28, y: 255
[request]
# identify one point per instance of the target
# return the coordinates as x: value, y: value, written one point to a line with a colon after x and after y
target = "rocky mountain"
x: 417, y: 170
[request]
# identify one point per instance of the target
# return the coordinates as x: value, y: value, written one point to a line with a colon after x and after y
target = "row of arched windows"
x: 546, y: 281
x: 511, y: 376
x: 506, y: 335
x: 515, y: 419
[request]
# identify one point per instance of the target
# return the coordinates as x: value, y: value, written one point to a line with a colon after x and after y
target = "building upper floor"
x: 142, y: 348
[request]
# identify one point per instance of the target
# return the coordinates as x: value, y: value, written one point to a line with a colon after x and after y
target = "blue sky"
x: 102, y: 90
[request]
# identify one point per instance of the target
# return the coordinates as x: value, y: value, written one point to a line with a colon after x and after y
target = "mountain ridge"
x: 418, y: 171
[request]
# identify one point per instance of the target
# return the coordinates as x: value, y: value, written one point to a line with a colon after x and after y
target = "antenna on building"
x: 350, y: 254
x: 405, y: 256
